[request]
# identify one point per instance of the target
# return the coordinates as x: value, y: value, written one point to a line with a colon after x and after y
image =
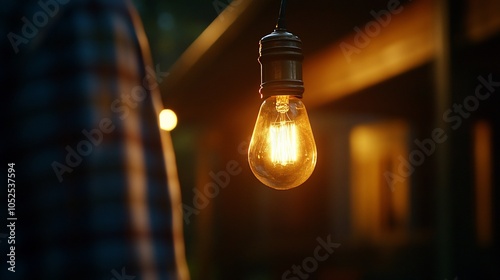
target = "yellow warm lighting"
x: 168, y: 120
x: 283, y: 142
x: 380, y: 208
x: 282, y: 153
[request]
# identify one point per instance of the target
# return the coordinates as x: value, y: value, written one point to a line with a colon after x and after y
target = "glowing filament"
x: 283, y: 142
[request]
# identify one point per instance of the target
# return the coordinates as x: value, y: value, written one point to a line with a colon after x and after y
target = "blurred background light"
x: 168, y: 120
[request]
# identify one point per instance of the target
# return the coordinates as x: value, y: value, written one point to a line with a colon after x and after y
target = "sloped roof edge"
x: 214, y: 38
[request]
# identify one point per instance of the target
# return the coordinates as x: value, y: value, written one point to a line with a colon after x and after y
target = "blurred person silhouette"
x: 96, y: 191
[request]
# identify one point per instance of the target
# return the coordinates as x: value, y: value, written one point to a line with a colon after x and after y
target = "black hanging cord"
x: 280, y: 25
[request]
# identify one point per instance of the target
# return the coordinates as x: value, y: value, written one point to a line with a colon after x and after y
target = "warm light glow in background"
x: 168, y: 120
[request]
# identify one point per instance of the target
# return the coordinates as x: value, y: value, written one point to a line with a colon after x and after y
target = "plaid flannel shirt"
x: 97, y: 195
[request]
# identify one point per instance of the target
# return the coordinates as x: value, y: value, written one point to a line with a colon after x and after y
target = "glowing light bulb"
x: 168, y: 120
x: 282, y: 152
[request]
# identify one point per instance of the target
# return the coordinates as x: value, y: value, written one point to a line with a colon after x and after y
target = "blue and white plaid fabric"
x: 93, y: 198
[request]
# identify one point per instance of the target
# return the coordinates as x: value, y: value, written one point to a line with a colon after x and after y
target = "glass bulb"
x: 282, y: 153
